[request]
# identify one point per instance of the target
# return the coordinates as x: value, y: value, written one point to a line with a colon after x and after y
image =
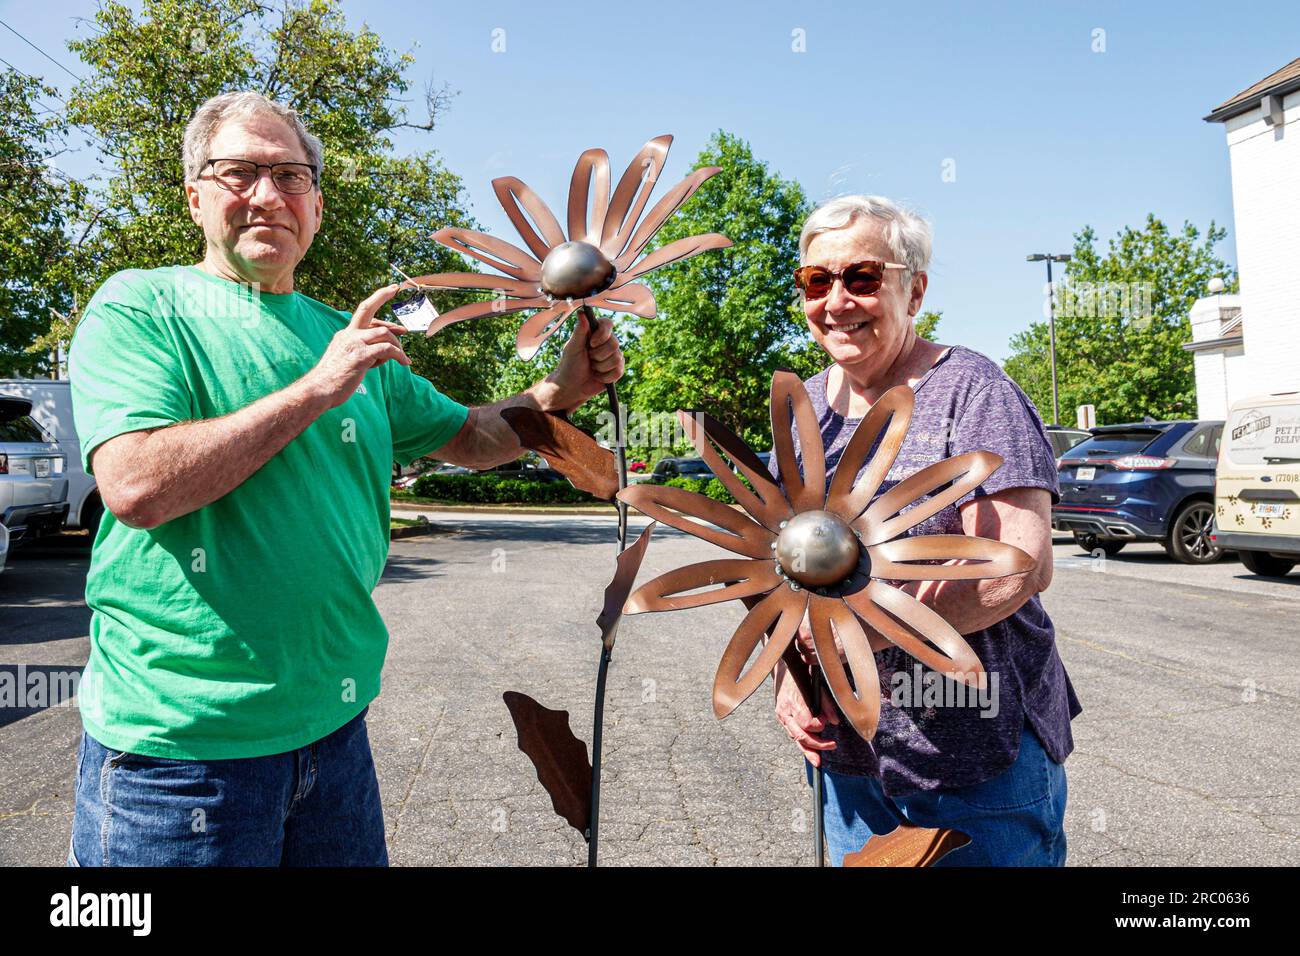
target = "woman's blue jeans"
x: 315, y: 806
x: 1015, y: 819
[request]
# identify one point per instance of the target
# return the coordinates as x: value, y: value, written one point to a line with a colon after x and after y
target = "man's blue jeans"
x: 1015, y: 819
x: 315, y: 806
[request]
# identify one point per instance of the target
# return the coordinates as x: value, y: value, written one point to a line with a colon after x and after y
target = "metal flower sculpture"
x: 824, y: 553
x: 595, y: 267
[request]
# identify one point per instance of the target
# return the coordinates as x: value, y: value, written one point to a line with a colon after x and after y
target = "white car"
x: 33, y: 488
x: 52, y: 409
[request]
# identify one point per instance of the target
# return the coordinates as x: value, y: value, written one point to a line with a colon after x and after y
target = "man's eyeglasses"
x: 861, y: 278
x: 239, y: 175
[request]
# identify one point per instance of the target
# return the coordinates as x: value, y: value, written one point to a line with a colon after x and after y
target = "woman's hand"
x: 793, y: 713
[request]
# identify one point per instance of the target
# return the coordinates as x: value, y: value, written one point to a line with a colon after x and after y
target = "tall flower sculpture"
x: 595, y: 267
x: 824, y: 553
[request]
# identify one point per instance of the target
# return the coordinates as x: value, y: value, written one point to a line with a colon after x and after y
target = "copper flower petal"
x: 997, y: 558
x: 847, y: 498
x: 540, y: 327
x: 637, y: 299
x: 828, y: 617
x: 783, y: 606
x: 955, y: 658
x: 673, y: 252
x: 740, y: 577
x: 806, y: 492
x: 631, y: 195
x: 678, y: 507
x: 584, y: 224
x: 478, y: 310
x: 967, y: 472
x: 768, y: 507
x: 664, y: 208
x: 500, y: 255
x: 513, y: 193
x: 479, y: 280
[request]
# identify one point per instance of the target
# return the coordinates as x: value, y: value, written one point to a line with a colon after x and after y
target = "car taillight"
x: 4, y: 464
x: 1142, y: 463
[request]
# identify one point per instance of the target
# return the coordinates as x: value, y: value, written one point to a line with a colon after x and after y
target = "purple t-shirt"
x: 930, y: 736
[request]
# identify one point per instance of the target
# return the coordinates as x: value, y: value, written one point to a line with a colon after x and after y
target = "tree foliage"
x: 35, y: 201
x: 1121, y: 322
x: 150, y: 65
x: 727, y: 319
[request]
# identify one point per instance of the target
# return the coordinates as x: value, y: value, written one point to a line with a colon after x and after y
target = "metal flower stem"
x: 819, y: 815
x: 598, y: 718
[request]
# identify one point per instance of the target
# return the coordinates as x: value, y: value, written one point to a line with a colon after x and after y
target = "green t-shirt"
x: 246, y: 627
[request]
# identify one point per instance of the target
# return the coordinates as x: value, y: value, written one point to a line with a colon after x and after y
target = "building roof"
x: 1282, y: 81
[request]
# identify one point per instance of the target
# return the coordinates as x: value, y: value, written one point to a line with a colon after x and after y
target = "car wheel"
x: 1090, y: 543
x: 1189, y: 536
x: 1260, y: 562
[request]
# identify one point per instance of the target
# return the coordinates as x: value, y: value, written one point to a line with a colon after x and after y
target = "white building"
x: 1249, y: 344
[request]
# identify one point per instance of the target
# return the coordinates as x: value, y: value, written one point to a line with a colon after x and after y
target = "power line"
x: 88, y: 133
x: 40, y: 51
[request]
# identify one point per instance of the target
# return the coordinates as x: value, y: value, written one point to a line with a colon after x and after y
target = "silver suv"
x: 33, y: 486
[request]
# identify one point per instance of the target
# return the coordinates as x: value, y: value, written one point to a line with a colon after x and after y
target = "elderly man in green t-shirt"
x: 242, y: 435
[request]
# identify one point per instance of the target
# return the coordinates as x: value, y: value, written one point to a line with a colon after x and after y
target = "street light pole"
x: 1049, y: 258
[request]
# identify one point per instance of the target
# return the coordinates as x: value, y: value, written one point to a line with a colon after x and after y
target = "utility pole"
x: 1049, y: 258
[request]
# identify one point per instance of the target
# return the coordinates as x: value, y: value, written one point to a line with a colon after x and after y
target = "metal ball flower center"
x: 817, y: 548
x: 576, y: 270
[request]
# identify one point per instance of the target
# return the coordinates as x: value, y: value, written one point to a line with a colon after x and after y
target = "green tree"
x: 927, y: 325
x: 726, y: 319
x: 35, y: 201
x: 1121, y: 322
x: 149, y: 68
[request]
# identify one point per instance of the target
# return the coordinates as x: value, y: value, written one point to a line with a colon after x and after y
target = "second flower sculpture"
x: 826, y: 553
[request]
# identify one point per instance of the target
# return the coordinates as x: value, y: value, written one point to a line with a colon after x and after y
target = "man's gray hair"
x: 904, y: 231
x: 209, y: 117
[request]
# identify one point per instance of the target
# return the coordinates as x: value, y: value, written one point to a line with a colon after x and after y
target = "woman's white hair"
x: 209, y: 117
x: 903, y: 230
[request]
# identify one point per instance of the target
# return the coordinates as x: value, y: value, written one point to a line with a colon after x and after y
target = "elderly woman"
x: 993, y: 767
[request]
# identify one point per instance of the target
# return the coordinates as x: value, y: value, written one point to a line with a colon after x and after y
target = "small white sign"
x: 1085, y: 474
x: 416, y: 314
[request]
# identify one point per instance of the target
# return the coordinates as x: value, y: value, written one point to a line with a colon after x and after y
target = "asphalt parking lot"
x: 1185, y: 752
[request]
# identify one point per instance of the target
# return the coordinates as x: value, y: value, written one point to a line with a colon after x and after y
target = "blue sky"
x: 1045, y: 135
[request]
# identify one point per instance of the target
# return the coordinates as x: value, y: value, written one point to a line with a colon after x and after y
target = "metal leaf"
x: 966, y: 472
x: 675, y: 251
x: 616, y: 592
x: 567, y: 448
x: 636, y: 299
x: 513, y: 193
x: 478, y: 280
x: 829, y: 618
x: 540, y: 327
x: 480, y: 310
x: 848, y: 495
x: 584, y: 225
x: 631, y: 195
x: 997, y: 558
x: 919, y: 624
x: 739, y: 577
x: 680, y: 508
x: 662, y: 210
x: 806, y: 492
x: 559, y: 757
x: 908, y: 845
x: 500, y: 255
x: 779, y: 614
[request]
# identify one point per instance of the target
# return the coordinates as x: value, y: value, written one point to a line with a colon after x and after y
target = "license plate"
x: 42, y: 468
x: 1085, y: 474
x: 1267, y: 511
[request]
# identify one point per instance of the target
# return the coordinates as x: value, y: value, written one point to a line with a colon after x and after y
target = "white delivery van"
x: 52, y: 409
x: 1257, y: 483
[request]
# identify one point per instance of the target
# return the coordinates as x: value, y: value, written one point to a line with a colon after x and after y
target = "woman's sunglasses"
x: 861, y: 278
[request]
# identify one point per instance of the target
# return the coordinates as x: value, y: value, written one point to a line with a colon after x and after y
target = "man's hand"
x: 591, y: 360
x: 793, y: 713
x: 365, y: 343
